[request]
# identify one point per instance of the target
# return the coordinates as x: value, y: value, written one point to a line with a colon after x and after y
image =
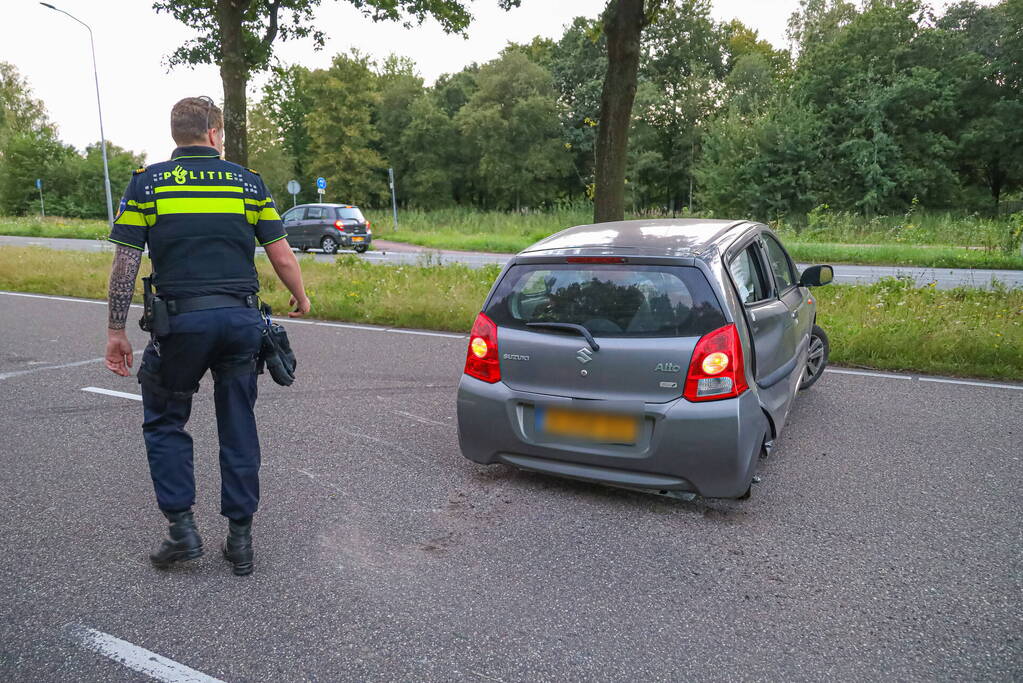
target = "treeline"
x: 881, y: 107
x: 30, y: 149
x: 878, y: 108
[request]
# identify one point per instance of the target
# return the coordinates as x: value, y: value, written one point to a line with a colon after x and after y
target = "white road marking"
x: 428, y: 334
x: 134, y: 657
x: 349, y: 326
x: 111, y: 392
x: 992, y: 385
x: 867, y: 374
x: 16, y: 373
x: 933, y: 380
x: 425, y: 420
x: 61, y: 298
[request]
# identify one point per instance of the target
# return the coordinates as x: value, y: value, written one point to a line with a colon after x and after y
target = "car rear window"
x: 352, y: 212
x: 609, y: 300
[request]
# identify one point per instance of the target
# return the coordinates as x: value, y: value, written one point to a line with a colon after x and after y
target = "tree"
x: 683, y: 60
x: 513, y: 121
x: 431, y: 148
x: 342, y: 137
x: 990, y: 146
x: 238, y: 35
x: 285, y: 105
x: 270, y: 155
x: 19, y: 111
x: 399, y: 87
x: 578, y: 64
x: 624, y: 21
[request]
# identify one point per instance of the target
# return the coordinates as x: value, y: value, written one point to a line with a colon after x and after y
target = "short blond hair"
x: 192, y: 117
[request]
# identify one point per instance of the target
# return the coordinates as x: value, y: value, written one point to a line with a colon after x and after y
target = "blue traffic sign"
x: 39, y: 183
x: 321, y: 183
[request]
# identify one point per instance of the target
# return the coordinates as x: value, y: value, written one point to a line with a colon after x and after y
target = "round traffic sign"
x: 293, y: 187
x: 321, y: 183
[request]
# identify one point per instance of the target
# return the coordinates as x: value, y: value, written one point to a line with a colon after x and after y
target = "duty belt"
x: 202, y: 303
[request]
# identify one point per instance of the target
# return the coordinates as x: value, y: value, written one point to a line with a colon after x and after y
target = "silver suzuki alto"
x: 661, y: 355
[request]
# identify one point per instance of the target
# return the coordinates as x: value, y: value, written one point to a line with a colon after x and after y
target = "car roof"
x: 328, y: 205
x: 661, y: 236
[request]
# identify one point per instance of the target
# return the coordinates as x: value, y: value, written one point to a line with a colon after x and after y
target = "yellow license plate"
x: 589, y: 426
x: 358, y: 239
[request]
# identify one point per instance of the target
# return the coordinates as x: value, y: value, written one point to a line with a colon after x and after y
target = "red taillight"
x: 339, y: 225
x: 481, y: 360
x: 717, y: 370
x: 595, y: 259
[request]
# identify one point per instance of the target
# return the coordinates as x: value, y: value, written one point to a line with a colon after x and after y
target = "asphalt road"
x: 884, y: 541
x: 399, y: 253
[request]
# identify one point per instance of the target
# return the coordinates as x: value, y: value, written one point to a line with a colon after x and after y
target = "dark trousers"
x: 226, y: 341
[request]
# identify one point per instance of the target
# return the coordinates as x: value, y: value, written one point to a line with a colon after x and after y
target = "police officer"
x: 201, y: 217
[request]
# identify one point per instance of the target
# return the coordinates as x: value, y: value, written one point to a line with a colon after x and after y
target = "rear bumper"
x: 709, y: 448
x: 350, y: 241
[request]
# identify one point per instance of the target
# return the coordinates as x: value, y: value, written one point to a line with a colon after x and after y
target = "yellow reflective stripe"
x: 276, y: 239
x: 133, y: 246
x: 269, y: 213
x: 198, y: 188
x: 258, y: 202
x: 251, y: 216
x: 131, y: 217
x: 141, y: 205
x: 172, y: 205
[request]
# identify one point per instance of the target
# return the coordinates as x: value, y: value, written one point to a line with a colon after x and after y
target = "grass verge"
x: 72, y: 228
x: 509, y: 233
x: 888, y: 326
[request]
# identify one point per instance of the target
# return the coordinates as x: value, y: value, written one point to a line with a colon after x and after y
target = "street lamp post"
x: 99, y: 108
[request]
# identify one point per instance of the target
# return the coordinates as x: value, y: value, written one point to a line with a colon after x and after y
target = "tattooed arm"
x: 122, y: 286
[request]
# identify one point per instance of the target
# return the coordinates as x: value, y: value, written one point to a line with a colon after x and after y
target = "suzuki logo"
x: 583, y: 355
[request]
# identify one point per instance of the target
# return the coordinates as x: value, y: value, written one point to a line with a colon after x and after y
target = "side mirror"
x: 815, y: 276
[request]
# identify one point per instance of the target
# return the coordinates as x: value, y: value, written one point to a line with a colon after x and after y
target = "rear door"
x: 645, y: 320
x: 770, y: 325
x: 293, y: 226
x: 312, y: 224
x: 786, y: 284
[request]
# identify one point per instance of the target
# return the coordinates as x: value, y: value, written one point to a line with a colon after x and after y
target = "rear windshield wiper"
x: 570, y: 326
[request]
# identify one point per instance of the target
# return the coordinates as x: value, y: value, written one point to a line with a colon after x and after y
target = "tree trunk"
x: 234, y: 74
x: 623, y: 23
x: 995, y: 179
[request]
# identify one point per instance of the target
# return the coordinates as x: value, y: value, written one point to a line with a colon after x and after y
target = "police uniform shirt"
x: 201, y: 218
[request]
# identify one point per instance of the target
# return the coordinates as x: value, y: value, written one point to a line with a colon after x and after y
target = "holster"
x: 275, y: 354
x: 155, y: 318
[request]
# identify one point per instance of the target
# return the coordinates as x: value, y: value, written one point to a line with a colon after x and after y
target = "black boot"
x: 238, y: 546
x: 183, y: 542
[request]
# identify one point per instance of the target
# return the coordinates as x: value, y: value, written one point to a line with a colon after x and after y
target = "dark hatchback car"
x: 328, y: 227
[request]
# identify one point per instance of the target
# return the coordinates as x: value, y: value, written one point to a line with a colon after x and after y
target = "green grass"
x: 888, y: 326
x: 927, y: 240
x: 935, y: 240
x: 902, y: 255
x: 34, y: 226
x: 923, y: 228
x: 892, y: 325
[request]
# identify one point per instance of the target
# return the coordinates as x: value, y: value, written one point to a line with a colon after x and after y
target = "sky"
x: 137, y: 90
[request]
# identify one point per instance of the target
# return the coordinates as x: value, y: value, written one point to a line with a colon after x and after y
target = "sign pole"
x: 394, y: 201
x: 42, y: 205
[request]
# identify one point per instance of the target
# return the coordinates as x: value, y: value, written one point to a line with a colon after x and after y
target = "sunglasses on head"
x: 209, y: 107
